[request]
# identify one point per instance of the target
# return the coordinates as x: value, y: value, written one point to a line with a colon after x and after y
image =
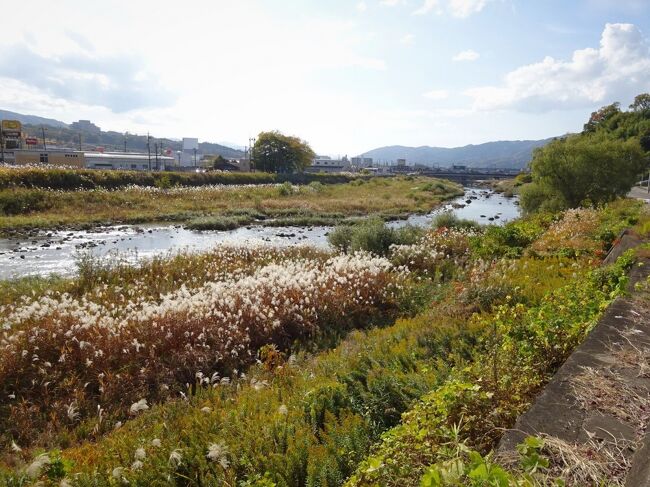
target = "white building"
x: 190, y: 155
x: 327, y: 164
x: 125, y: 160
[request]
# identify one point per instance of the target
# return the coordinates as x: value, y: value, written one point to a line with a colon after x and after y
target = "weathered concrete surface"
x: 559, y: 412
x: 626, y: 240
x: 639, y: 192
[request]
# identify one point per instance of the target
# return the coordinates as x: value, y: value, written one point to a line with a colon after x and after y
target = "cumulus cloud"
x: 407, y: 40
x: 466, y: 55
x: 617, y: 70
x: 437, y: 94
x: 362, y: 6
x: 115, y: 82
x: 456, y: 8
x: 465, y: 8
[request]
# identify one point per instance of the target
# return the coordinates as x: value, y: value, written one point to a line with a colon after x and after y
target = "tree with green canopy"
x: 641, y: 103
x: 582, y: 169
x: 276, y: 152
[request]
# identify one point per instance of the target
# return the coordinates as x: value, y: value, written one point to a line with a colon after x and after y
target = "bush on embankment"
x: 75, y: 179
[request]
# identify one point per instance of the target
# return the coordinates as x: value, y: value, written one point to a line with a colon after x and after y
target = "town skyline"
x: 345, y: 76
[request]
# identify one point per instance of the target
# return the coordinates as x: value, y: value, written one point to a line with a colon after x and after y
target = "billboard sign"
x: 31, y: 141
x: 11, y: 128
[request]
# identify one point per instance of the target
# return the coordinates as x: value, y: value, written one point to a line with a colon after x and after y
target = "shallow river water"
x: 57, y: 251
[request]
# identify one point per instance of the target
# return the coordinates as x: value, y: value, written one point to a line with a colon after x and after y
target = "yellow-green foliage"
x: 521, y: 347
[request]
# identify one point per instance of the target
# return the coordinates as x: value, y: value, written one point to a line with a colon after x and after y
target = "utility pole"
x: 125, y: 143
x: 149, y: 149
x: 80, y: 141
x: 194, y: 157
x: 251, y: 143
x: 2, y: 145
x: 156, y: 149
x: 43, y: 133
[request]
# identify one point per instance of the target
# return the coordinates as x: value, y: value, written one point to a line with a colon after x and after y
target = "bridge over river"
x: 467, y: 177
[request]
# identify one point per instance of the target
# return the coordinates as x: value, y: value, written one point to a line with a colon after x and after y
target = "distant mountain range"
x: 60, y: 133
x: 31, y: 119
x: 514, y: 154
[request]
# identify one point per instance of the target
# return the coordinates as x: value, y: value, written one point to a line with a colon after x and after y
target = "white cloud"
x: 465, y: 8
x: 427, y: 7
x: 407, y: 40
x: 615, y: 71
x: 392, y: 3
x: 362, y: 7
x: 456, y: 8
x: 437, y: 95
x: 466, y: 55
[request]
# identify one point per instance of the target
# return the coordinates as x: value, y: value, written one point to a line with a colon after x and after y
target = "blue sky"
x: 346, y: 75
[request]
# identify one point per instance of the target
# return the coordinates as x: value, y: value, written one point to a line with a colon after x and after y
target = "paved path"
x: 640, y: 193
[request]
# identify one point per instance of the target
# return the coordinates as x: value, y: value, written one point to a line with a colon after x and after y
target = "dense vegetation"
x: 322, y: 377
x: 278, y: 153
x: 596, y: 166
x: 80, y: 179
x: 221, y: 206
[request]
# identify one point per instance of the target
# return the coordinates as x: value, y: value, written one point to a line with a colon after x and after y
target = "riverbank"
x: 328, y: 367
x: 57, y: 251
x: 26, y: 210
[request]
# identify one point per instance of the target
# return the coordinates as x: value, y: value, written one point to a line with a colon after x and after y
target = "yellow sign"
x: 11, y: 128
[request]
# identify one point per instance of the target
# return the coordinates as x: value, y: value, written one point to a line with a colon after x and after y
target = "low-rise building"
x: 91, y: 160
x: 327, y: 164
x: 51, y: 157
x: 127, y: 161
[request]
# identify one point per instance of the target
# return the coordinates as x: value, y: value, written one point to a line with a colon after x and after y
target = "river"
x: 56, y: 252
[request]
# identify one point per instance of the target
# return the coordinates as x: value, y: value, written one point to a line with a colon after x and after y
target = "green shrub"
x: 372, y: 236
x: 448, y: 219
x: 285, y: 189
x: 535, y: 197
x: 317, y: 186
x: 22, y: 201
x: 341, y: 237
x: 218, y: 222
x: 510, y: 239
